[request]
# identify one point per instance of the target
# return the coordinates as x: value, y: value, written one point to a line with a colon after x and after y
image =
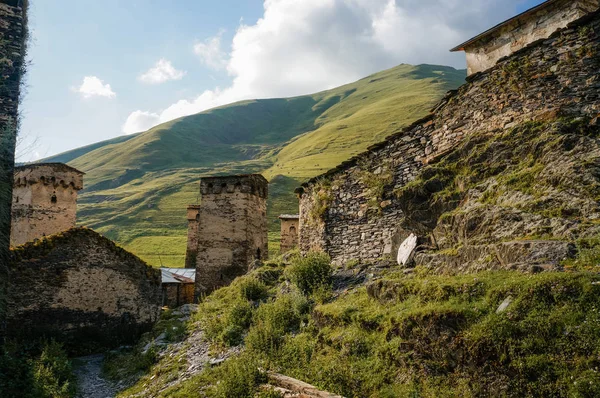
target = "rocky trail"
x: 90, y: 382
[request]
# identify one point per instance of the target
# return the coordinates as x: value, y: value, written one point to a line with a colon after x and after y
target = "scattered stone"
x: 215, y: 362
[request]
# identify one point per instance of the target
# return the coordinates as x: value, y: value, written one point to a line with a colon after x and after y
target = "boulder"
x: 406, y: 250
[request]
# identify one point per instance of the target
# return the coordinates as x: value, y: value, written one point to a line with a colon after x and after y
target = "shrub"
x: 237, y: 321
x: 52, y: 373
x: 47, y: 374
x: 239, y: 378
x: 311, y: 272
x: 273, y: 320
x: 253, y: 289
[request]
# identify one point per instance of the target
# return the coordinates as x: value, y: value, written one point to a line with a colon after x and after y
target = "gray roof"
x: 178, y: 275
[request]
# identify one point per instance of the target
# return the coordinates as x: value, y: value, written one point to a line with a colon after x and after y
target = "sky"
x: 102, y: 69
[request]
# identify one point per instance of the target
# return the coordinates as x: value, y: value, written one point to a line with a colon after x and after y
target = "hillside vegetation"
x: 138, y: 187
x: 380, y: 330
x: 488, y: 334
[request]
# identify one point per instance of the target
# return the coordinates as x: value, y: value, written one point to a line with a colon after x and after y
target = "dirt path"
x: 89, y: 379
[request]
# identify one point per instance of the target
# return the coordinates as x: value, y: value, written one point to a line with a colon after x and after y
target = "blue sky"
x: 100, y: 69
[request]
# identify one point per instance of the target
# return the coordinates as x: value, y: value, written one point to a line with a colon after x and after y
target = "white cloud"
x: 94, y: 87
x: 162, y: 72
x: 304, y: 46
x: 210, y: 52
x: 139, y: 121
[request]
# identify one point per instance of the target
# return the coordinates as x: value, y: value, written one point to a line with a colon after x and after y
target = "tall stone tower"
x: 44, y: 201
x: 228, y: 230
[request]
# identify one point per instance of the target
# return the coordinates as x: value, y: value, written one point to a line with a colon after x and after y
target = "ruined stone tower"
x: 228, y: 230
x: 44, y: 201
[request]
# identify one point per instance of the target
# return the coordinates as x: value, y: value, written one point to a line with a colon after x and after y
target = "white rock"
x: 407, y: 249
x: 504, y: 305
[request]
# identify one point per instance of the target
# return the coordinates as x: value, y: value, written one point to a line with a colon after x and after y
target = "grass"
x: 137, y: 187
x: 419, y: 335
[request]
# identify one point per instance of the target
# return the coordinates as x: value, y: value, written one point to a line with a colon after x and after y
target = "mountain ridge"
x: 138, y: 186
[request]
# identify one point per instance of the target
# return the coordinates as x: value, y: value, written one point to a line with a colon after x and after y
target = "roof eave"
x: 461, y: 47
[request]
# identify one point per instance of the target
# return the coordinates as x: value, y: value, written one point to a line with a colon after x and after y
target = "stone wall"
x: 483, y: 53
x: 44, y: 201
x: 80, y: 288
x: 13, y: 38
x: 351, y: 212
x: 289, y: 233
x: 232, y: 229
x: 193, y: 216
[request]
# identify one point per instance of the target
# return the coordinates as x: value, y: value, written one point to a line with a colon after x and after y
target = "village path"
x: 90, y: 382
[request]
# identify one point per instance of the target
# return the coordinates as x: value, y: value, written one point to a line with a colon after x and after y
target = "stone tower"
x: 44, y: 201
x: 289, y: 232
x: 228, y: 230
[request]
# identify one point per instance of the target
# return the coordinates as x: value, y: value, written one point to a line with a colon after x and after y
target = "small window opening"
x: 258, y: 254
x: 53, y: 199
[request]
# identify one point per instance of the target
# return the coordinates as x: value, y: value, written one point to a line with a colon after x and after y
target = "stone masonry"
x: 231, y: 225
x: 351, y: 212
x: 289, y: 232
x: 44, y: 201
x: 80, y: 288
x: 484, y: 50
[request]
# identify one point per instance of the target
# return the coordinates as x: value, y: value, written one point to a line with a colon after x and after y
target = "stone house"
x: 44, y: 201
x: 484, y: 50
x: 289, y: 232
x: 177, y: 286
x: 341, y: 215
x: 79, y: 288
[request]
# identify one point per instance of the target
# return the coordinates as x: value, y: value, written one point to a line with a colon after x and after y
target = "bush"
x: 53, y: 374
x: 239, y: 378
x: 311, y: 272
x: 252, y: 289
x: 273, y: 320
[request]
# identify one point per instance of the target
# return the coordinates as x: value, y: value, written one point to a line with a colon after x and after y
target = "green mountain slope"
x: 138, y: 187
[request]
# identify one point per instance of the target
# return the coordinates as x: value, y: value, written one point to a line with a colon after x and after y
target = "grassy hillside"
x: 490, y: 334
x: 376, y: 329
x: 138, y: 187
